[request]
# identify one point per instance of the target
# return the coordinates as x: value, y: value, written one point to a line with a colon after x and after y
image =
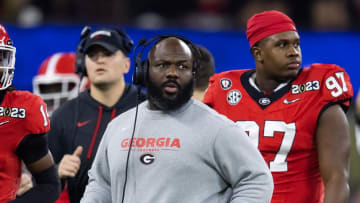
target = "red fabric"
x: 267, y: 23
x: 64, y: 63
x: 113, y: 113
x: 64, y: 197
x: 95, y: 132
x: 296, y: 172
x: 21, y: 114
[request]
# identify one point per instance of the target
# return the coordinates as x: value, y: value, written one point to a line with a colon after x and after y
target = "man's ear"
x: 126, y: 65
x: 257, y: 53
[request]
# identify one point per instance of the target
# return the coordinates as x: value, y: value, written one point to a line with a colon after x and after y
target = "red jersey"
x: 282, y: 125
x: 21, y: 113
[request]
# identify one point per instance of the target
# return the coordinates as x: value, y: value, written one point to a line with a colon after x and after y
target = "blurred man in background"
x: 56, y: 80
x: 206, y: 70
x: 79, y: 124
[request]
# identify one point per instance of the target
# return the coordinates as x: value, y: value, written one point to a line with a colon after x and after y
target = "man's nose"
x: 172, y: 70
x: 293, y: 51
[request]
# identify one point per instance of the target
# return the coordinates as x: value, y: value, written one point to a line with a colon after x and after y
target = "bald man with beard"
x: 182, y: 150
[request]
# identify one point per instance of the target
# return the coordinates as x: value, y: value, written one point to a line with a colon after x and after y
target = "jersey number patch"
x: 279, y: 164
x: 333, y: 85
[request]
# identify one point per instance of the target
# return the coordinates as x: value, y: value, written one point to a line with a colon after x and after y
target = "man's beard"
x: 159, y: 100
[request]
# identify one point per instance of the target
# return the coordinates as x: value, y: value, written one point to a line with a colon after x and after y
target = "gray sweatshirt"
x: 191, y: 155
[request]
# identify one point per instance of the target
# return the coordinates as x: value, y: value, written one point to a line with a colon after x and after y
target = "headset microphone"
x: 85, y: 31
x: 80, y: 55
x: 141, y: 42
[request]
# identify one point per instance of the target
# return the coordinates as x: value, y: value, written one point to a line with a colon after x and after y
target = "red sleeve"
x: 210, y: 92
x: 37, y: 121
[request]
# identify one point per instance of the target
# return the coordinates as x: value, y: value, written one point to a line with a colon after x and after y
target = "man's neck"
x: 267, y: 85
x: 108, y: 96
x: 199, y: 94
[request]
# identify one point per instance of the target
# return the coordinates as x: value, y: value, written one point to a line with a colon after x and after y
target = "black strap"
x: 32, y: 148
x: 2, y: 95
x: 3, y: 92
x: 47, y: 189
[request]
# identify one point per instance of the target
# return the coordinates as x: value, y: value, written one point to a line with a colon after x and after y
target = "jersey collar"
x: 262, y: 99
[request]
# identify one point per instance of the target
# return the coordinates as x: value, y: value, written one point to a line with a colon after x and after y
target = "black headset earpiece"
x: 126, y: 40
x: 139, y: 74
x: 80, y: 68
x: 142, y: 66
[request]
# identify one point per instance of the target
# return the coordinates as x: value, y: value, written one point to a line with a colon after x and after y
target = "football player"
x: 295, y: 116
x: 56, y: 80
x: 23, y: 124
x: 207, y: 69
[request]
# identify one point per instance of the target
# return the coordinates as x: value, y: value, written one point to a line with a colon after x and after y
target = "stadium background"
x: 329, y: 31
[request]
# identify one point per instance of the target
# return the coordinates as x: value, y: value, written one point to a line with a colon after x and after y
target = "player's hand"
x: 70, y: 164
x: 25, y: 184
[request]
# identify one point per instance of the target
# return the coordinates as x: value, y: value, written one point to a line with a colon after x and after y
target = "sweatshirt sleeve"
x: 242, y: 166
x: 98, y: 189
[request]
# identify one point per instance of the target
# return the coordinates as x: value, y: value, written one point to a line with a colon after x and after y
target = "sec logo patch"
x: 225, y: 83
x: 233, y: 97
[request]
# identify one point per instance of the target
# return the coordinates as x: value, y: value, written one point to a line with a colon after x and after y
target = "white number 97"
x: 333, y: 85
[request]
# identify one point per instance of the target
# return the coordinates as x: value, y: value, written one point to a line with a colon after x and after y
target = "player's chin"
x: 102, y: 83
x: 292, y: 73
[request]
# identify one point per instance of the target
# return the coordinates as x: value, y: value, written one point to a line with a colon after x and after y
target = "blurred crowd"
x: 196, y: 14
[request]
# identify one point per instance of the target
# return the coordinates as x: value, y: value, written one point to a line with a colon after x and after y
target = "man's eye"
x: 160, y: 65
x: 182, y: 67
x: 107, y: 53
x: 282, y: 44
x: 91, y: 54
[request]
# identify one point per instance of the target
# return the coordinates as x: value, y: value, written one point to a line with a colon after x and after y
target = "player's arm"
x: 33, y: 150
x: 333, y: 143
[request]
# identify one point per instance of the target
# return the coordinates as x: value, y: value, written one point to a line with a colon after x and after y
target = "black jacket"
x: 82, y: 121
